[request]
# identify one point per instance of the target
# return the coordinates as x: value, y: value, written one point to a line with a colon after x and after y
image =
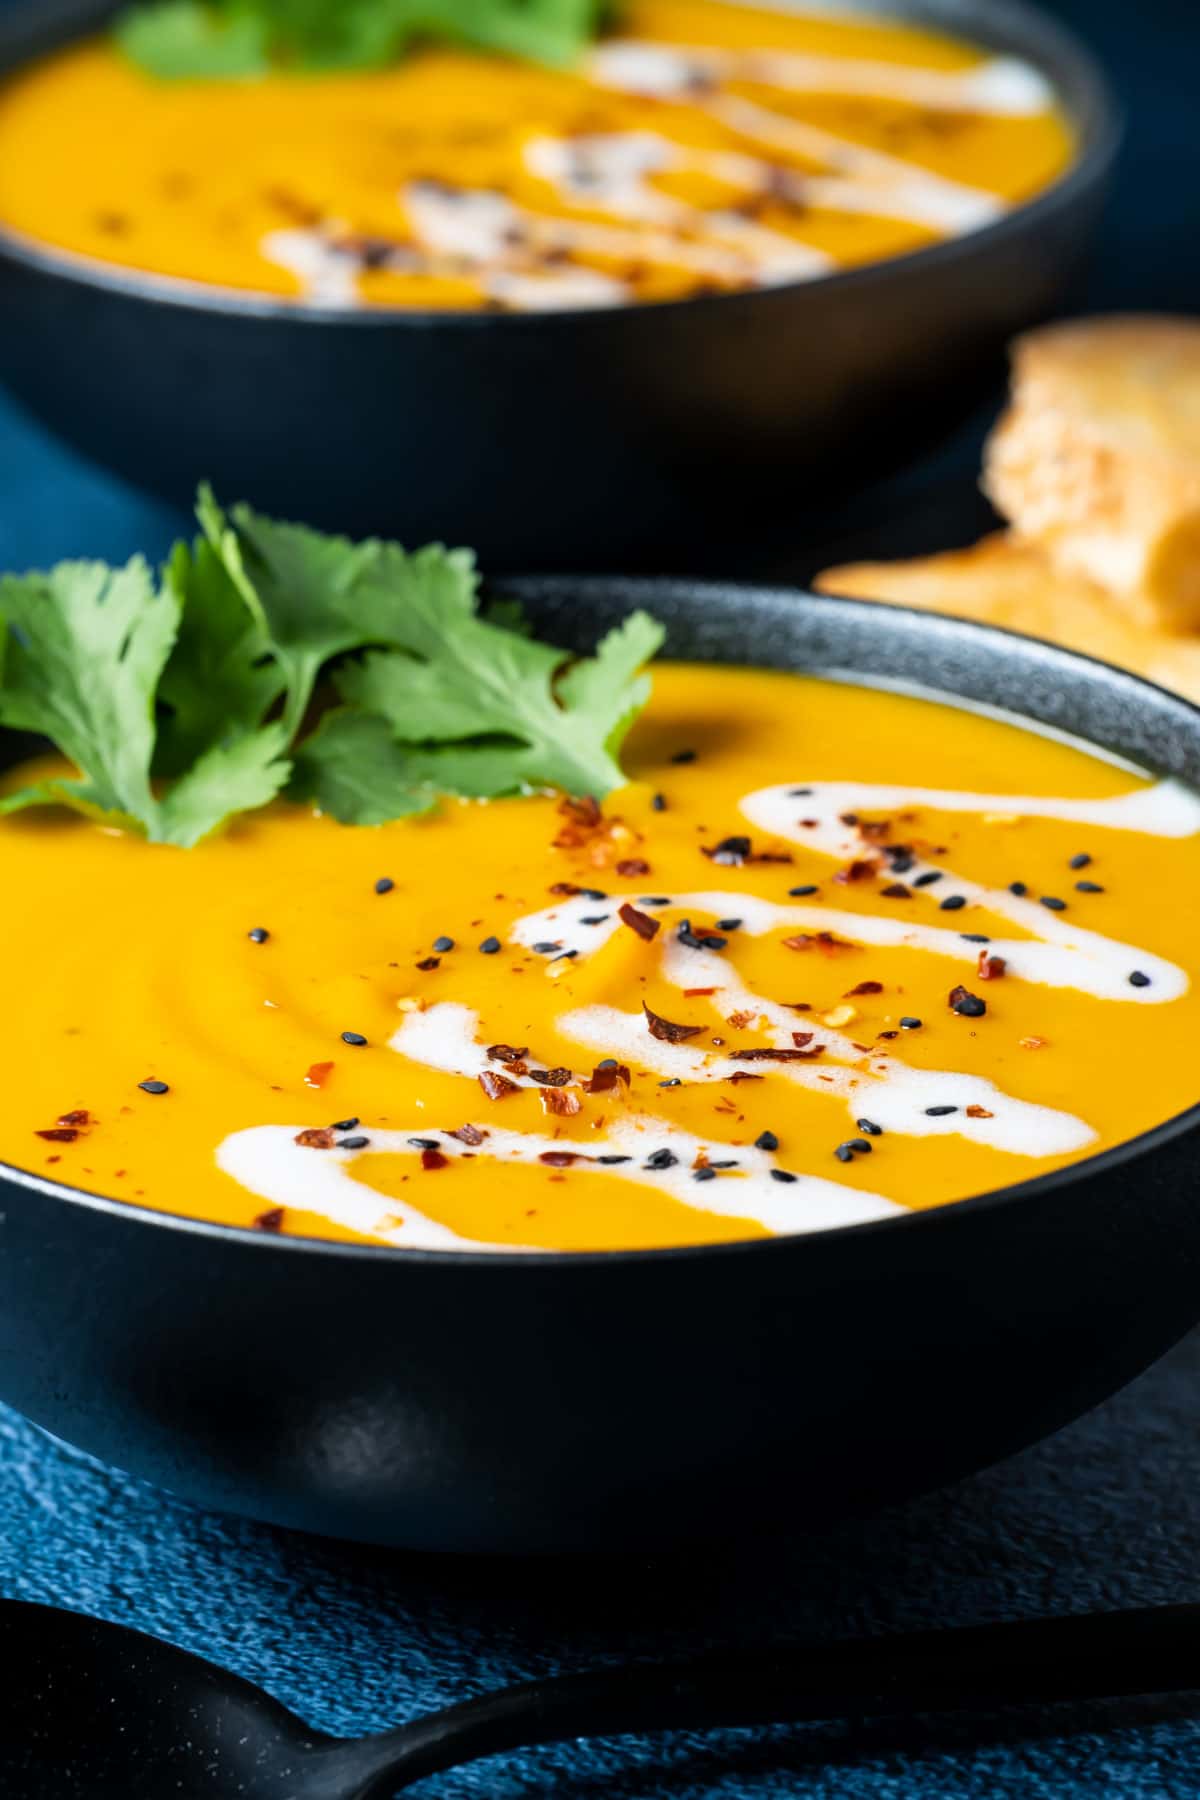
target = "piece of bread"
x: 1003, y: 581
x: 1097, y: 458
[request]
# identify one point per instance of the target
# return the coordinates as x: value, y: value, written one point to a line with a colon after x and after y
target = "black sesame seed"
x: 974, y: 937
x: 662, y: 1159
x: 928, y: 878
x: 731, y: 1164
x: 595, y: 919
x: 844, y: 1153
x: 712, y: 942
x: 154, y: 1087
x: 443, y: 944
x: 430, y: 962
x: 564, y: 956
x: 798, y: 893
x: 911, y: 1024
x: 728, y: 924
x: 859, y: 1145
x: 953, y: 903
x: 870, y: 1127
x: 607, y: 1062
x: 384, y: 885
x: 766, y: 1140
x: 1079, y: 862
x: 655, y: 900
x: 343, y: 1125
x: 968, y: 1006
x: 707, y: 1173
x: 490, y: 945
x: 354, y: 1037
x: 543, y: 949
x: 799, y: 793
x: 1018, y: 888
x: 1053, y: 902
x: 1139, y: 979
x: 1088, y: 887
x: 781, y: 1175
x: 614, y: 1159
x: 424, y: 1143
x: 353, y: 1143
x: 900, y: 865
x: 593, y: 894
x: 659, y: 803
x: 940, y: 1112
x: 259, y: 935
x: 672, y: 1081
x: 684, y: 756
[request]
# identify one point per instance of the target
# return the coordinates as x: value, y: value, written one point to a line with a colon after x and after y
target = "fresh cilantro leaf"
x: 222, y: 679
x: 185, y: 38
x: 85, y: 647
x: 230, y: 778
x: 464, y: 677
x: 353, y: 769
x: 213, y: 38
x: 301, y: 583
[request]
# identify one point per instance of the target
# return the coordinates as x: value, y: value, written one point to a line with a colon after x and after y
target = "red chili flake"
x: 739, y: 1020
x: 272, y: 1220
x: 889, y: 1034
x: 633, y: 865
x: 496, y: 1087
x: 80, y: 1116
x: 430, y: 962
x: 968, y: 1005
x: 561, y: 1101
x: 557, y: 1077
x: 565, y: 888
x: 797, y: 1055
x: 697, y: 993
x: 801, y: 1038
x: 318, y: 1137
x: 874, y: 828
x: 318, y: 1074
x: 991, y: 968
x: 824, y: 941
x: 583, y: 809
x: 864, y: 987
x: 505, y: 1053
x: 979, y: 1112
x: 604, y: 1078
x: 771, y: 856
x: 433, y: 1159
x: 520, y: 1067
x: 856, y: 871
x: 558, y: 1159
x: 896, y: 890
x: 743, y: 1075
x: 468, y: 1134
x: 59, y: 1134
x: 666, y: 1031
x: 646, y: 927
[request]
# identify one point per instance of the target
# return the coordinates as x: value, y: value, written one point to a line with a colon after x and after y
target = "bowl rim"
x: 1081, y: 85
x: 641, y: 590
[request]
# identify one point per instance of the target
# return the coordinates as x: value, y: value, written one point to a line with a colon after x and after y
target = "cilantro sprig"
x: 186, y: 699
x: 221, y: 39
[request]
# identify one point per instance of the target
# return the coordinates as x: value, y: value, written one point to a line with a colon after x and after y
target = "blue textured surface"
x: 1106, y: 1514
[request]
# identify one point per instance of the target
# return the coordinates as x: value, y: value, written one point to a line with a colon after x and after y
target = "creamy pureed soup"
x: 705, y: 147
x: 832, y: 954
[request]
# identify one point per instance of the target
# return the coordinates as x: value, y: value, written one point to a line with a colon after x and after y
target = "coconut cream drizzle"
x: 516, y: 253
x: 822, y: 816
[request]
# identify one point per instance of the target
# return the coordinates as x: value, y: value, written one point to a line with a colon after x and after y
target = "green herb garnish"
x: 180, y: 39
x: 183, y: 701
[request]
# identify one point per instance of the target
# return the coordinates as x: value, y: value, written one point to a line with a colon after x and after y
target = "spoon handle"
x: 1036, y: 1661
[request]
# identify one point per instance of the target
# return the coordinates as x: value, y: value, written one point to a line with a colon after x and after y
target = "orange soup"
x: 832, y: 954
x: 700, y: 147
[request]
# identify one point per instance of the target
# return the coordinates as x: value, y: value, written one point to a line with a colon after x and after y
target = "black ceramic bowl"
x: 641, y: 436
x: 629, y: 1400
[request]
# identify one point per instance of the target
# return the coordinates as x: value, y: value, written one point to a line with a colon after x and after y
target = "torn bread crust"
x: 1097, y: 459
x: 1002, y: 581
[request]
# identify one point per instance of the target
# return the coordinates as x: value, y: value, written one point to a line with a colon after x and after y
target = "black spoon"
x: 92, y: 1711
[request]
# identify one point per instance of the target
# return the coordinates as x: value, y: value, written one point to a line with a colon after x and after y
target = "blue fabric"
x: 1106, y: 1514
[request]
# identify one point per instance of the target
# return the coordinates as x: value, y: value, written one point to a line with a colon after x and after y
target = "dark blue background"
x: 1106, y: 1514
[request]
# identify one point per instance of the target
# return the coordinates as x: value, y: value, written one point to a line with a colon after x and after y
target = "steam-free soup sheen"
x: 857, y: 1000
x: 706, y: 147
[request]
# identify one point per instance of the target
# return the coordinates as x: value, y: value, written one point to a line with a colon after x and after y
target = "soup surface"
x: 708, y: 147
x: 833, y: 953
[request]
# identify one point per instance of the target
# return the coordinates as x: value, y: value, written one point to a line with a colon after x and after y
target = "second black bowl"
x: 643, y: 435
